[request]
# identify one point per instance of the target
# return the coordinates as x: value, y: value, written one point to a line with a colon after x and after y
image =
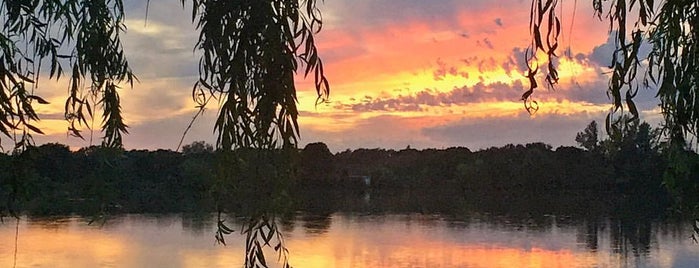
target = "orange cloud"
x: 416, y: 62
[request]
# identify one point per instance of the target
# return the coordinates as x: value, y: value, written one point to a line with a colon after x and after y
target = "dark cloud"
x: 356, y: 14
x: 443, y: 70
x: 601, y: 58
x: 510, y: 66
x: 163, y: 45
x: 337, y: 54
x: 487, y: 43
x: 469, y: 60
x: 458, y: 96
x: 487, y: 65
x: 373, y: 13
x: 159, y: 102
x: 580, y: 57
x: 52, y: 116
x: 594, y: 93
x: 602, y: 55
x: 498, y: 22
x: 520, y: 59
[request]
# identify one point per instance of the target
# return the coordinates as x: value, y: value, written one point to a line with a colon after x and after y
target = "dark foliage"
x: 54, y: 180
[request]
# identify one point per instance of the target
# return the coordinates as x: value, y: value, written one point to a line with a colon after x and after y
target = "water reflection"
x: 316, y: 224
x: 432, y: 241
x: 125, y: 241
x: 357, y: 240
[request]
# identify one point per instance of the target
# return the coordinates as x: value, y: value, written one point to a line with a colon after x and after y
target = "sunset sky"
x: 424, y: 74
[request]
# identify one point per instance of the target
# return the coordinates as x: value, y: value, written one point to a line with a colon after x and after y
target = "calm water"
x: 352, y: 240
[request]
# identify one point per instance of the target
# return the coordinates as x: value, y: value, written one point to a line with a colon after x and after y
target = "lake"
x: 354, y: 240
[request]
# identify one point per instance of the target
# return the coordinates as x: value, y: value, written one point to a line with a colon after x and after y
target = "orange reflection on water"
x: 329, y: 241
x: 72, y: 243
x: 202, y: 258
x: 60, y: 246
x: 410, y: 242
x: 514, y: 257
x: 431, y: 254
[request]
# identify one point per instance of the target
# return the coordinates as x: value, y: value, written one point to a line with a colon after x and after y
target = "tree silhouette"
x: 672, y: 66
x: 197, y: 147
x: 588, y: 138
x: 251, y: 51
x: 84, y: 35
x: 316, y: 164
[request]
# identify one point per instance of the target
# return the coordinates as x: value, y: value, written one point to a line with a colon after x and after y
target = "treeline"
x: 51, y: 179
x: 633, y: 162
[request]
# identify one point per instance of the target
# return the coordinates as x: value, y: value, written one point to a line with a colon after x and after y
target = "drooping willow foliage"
x: 40, y: 37
x: 251, y: 52
x: 672, y: 66
x: 670, y: 29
